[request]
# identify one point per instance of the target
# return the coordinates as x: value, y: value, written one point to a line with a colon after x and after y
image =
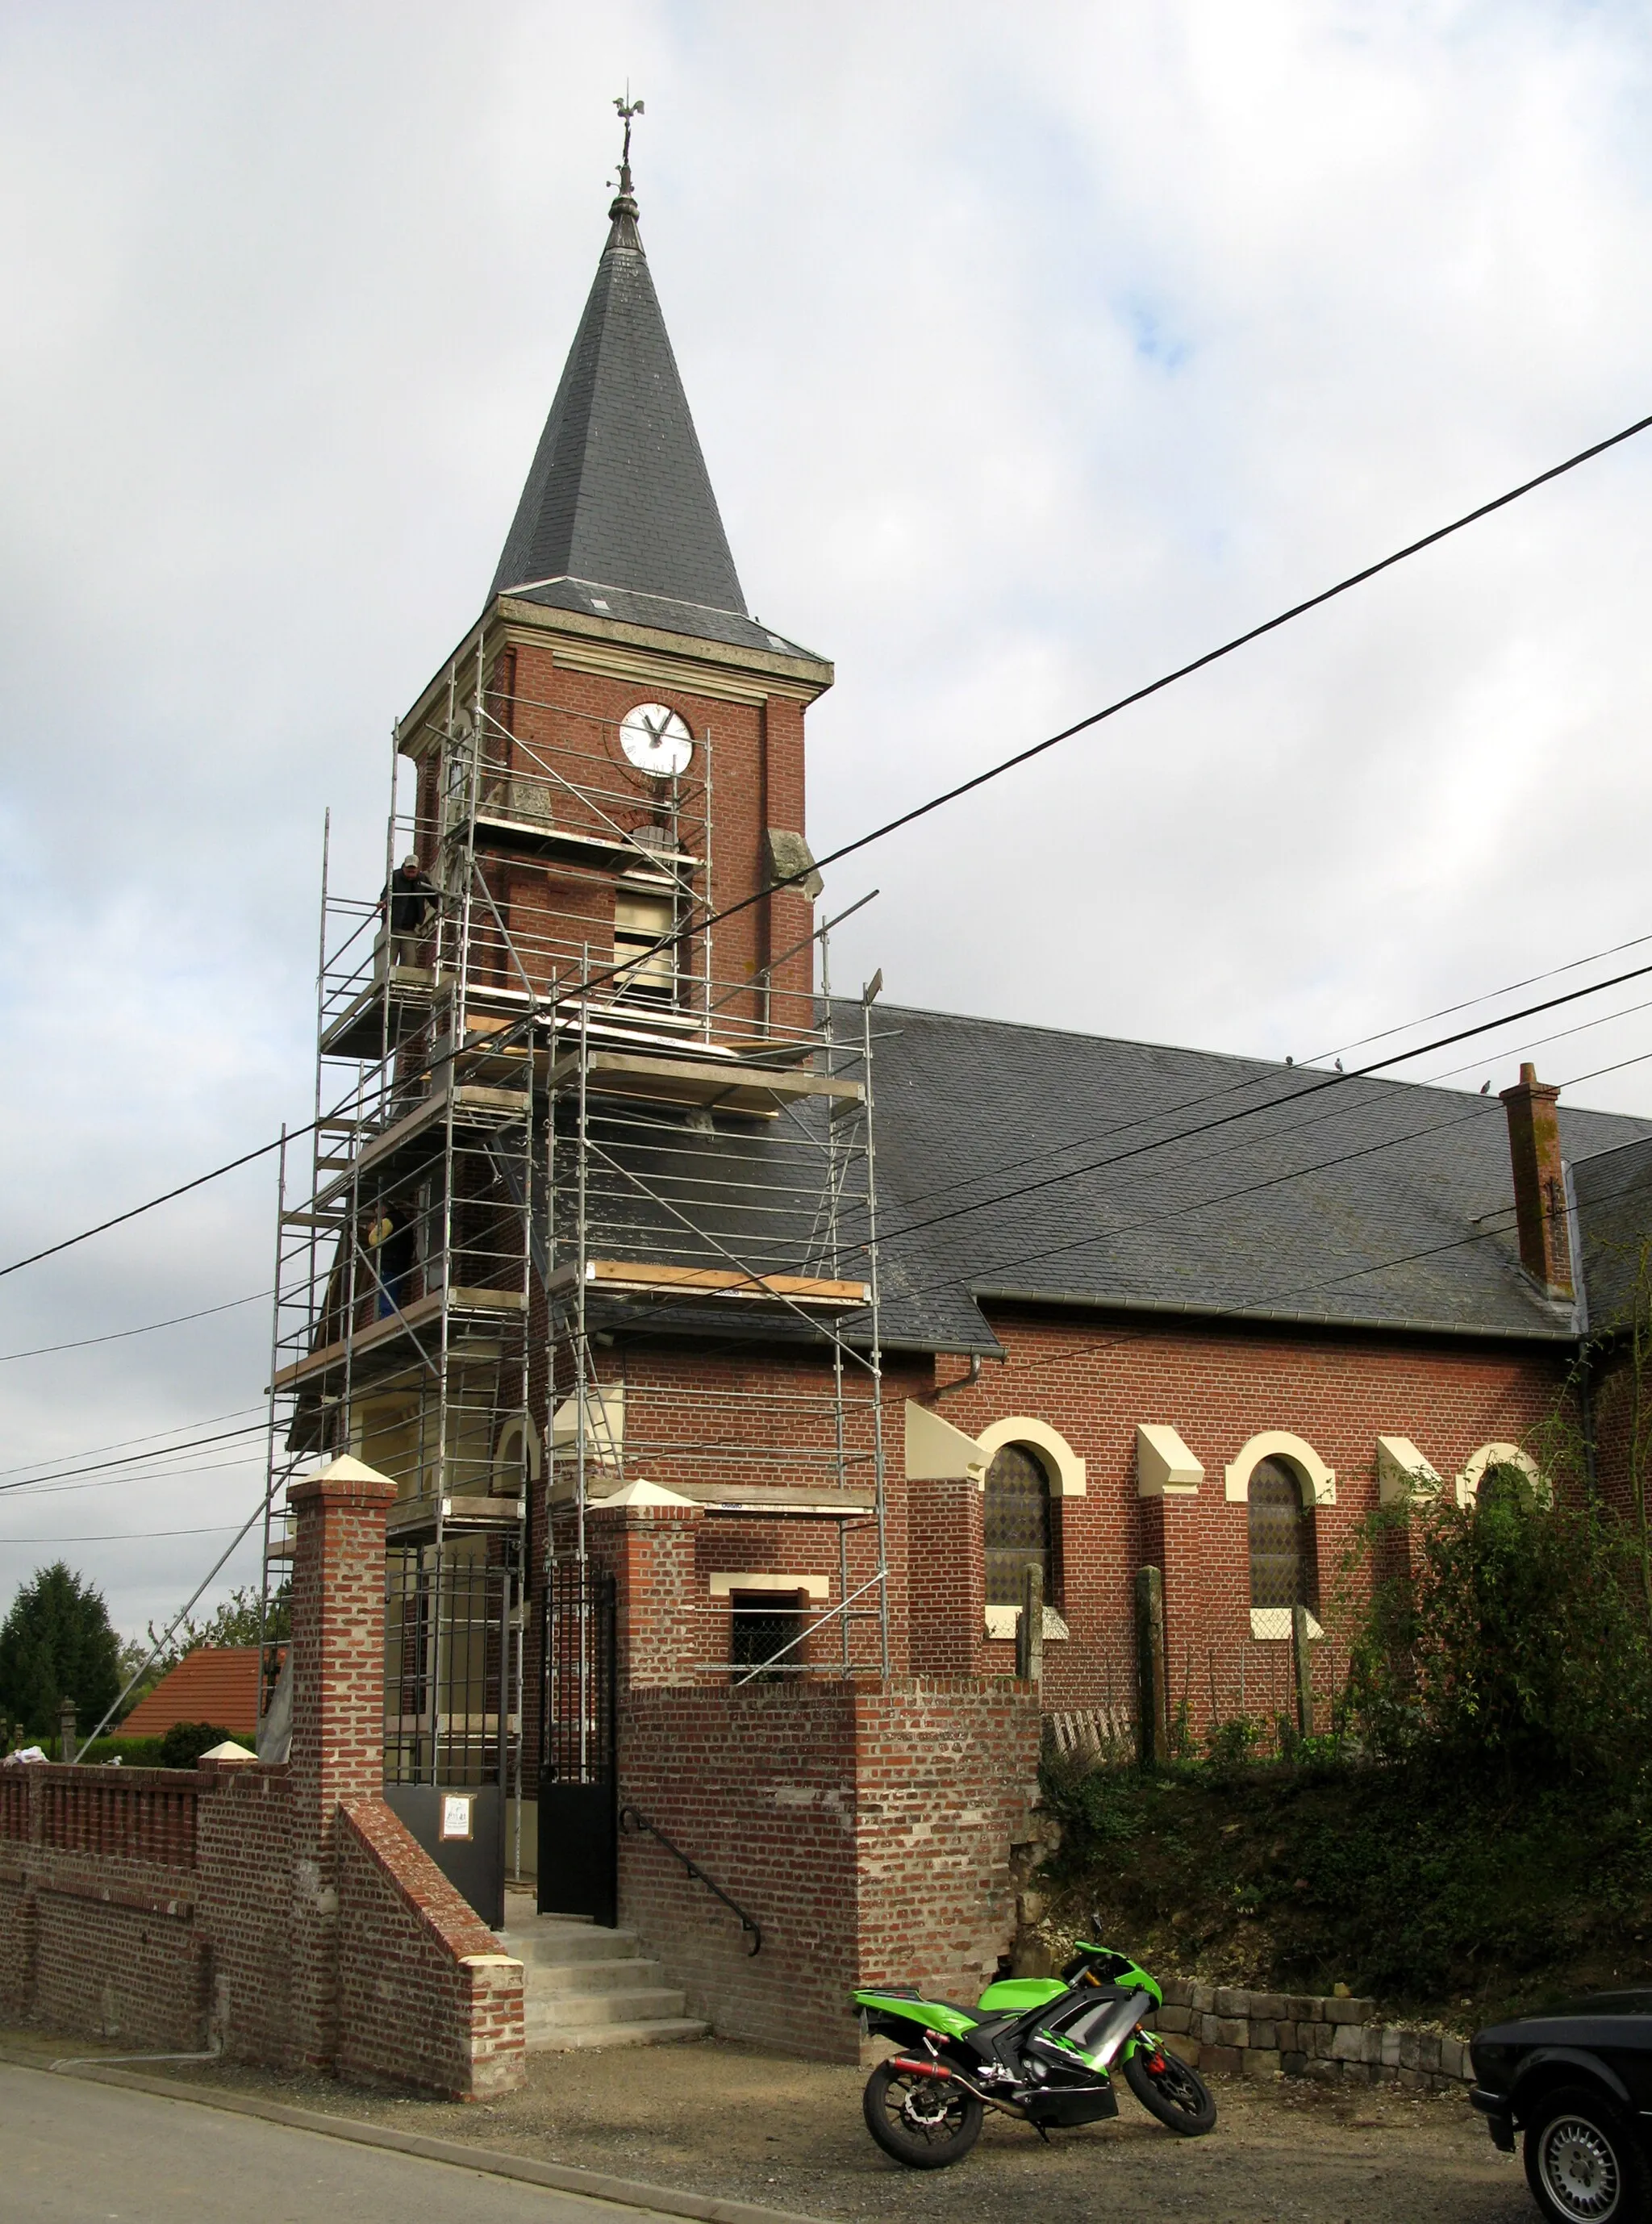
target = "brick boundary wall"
x: 868, y: 1830
x: 425, y: 1995
x: 282, y: 1913
x: 98, y: 1901
x: 1251, y: 2034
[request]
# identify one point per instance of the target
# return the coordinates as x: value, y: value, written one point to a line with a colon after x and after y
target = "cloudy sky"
x: 1033, y: 350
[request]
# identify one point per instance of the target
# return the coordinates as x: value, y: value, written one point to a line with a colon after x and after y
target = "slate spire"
x: 619, y: 495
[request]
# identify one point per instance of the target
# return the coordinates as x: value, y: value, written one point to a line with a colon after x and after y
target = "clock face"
x: 656, y: 740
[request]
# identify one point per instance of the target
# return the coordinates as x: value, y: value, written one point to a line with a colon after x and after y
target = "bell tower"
x: 642, y: 735
x: 589, y: 1207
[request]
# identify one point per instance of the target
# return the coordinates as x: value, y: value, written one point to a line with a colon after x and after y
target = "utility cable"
x: 1320, y: 1083
x: 120, y: 1535
x: 118, y: 1334
x: 953, y: 794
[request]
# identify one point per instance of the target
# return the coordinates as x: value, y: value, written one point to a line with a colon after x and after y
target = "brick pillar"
x: 337, y: 1750
x: 1539, y: 1181
x: 664, y: 1629
x: 790, y: 913
x: 948, y: 1577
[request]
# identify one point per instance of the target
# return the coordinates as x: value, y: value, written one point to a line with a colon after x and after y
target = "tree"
x: 56, y: 1644
x: 233, y: 1622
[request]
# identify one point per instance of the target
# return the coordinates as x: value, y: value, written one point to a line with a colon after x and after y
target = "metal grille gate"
x: 451, y: 1720
x: 579, y: 1837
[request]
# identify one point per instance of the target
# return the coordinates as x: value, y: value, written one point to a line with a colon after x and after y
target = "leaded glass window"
x: 1017, y: 1524
x: 1284, y: 1568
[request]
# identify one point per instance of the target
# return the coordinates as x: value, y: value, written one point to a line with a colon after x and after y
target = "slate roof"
x: 1026, y: 1163
x: 618, y: 505
x: 1613, y: 1191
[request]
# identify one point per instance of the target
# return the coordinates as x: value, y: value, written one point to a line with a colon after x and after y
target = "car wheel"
x: 1583, y: 2164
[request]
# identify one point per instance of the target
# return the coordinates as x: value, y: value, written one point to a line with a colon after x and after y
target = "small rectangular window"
x: 765, y: 1622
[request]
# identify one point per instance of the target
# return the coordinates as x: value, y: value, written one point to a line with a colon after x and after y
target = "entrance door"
x: 579, y: 1835
x: 450, y: 1711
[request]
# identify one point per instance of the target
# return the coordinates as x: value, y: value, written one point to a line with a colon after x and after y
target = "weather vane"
x: 627, y: 109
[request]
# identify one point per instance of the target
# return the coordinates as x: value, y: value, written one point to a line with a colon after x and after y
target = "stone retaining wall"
x: 1267, y: 2034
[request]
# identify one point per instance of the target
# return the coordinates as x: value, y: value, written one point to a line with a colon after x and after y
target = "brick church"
x: 774, y: 1331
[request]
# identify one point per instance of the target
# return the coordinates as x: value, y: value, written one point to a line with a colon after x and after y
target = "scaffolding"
x: 576, y: 1213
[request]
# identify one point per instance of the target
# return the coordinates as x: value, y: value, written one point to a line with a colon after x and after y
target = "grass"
x: 1449, y: 1899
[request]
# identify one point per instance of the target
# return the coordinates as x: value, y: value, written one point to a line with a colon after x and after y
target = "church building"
x: 736, y: 1344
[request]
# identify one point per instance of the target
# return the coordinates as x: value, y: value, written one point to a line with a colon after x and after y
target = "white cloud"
x: 1032, y: 354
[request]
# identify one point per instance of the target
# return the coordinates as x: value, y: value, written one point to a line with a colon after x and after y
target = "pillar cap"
x: 345, y: 1481
x: 642, y: 1496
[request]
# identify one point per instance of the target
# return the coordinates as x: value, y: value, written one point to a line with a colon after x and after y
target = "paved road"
x: 74, y: 2152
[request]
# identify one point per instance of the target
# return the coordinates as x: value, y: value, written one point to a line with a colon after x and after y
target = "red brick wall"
x: 99, y: 1891
x: 569, y: 719
x: 425, y: 1995
x: 247, y: 1908
x: 286, y: 1904
x: 946, y: 1775
x: 1093, y: 1380
x: 868, y: 1833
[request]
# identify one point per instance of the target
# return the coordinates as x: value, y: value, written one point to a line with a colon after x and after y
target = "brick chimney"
x: 1539, y: 1181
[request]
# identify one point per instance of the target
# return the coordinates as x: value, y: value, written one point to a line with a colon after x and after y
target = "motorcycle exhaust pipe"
x: 915, y: 2069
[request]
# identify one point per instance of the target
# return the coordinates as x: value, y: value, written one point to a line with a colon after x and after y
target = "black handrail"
x: 632, y: 1821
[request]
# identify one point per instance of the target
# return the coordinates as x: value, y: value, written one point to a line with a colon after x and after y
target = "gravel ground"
x: 729, y: 2119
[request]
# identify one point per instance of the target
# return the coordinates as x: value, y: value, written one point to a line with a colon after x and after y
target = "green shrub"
x: 1518, y: 1642
x: 130, y: 1752
x: 184, y: 1742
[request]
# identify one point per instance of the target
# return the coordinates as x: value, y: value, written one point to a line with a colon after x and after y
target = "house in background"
x: 215, y: 1684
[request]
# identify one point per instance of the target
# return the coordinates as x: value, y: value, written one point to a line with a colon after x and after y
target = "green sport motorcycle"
x: 1042, y: 2049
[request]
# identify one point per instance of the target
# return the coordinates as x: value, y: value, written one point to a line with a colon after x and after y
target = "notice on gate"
x: 455, y: 1815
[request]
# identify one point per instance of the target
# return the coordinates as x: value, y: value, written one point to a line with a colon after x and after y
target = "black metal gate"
x: 450, y: 1713
x: 579, y: 1823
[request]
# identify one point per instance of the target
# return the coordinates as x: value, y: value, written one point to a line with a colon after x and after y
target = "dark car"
x: 1577, y: 2082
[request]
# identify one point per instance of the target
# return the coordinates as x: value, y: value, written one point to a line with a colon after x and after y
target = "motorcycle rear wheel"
x: 1177, y: 2095
x: 924, y: 2122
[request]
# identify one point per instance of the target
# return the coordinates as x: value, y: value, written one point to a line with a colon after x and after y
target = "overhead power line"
x: 118, y: 1334
x: 954, y: 795
x: 120, y: 1535
x: 1320, y: 1083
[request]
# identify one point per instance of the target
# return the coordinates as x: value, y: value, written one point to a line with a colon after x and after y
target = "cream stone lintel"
x: 1404, y: 1475
x: 1274, y: 1621
x: 1491, y: 1456
x: 1065, y: 1467
x: 1318, y: 1481
x: 936, y: 1452
x: 725, y: 1584
x: 1164, y: 1466
x: 1004, y: 1621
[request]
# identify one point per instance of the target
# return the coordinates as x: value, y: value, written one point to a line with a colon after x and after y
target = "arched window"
x: 1284, y: 1564
x: 1505, y: 1484
x: 1017, y: 1524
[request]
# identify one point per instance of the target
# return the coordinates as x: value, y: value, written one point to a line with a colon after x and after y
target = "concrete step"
x: 667, y: 2030
x: 584, y: 1986
x: 649, y: 2003
x: 559, y: 1945
x: 593, y: 1976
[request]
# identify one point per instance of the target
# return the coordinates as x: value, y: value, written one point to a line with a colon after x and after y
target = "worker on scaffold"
x: 406, y: 903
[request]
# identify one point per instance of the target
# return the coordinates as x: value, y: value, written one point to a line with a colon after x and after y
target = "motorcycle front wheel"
x: 1174, y: 2092
x: 925, y: 2122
